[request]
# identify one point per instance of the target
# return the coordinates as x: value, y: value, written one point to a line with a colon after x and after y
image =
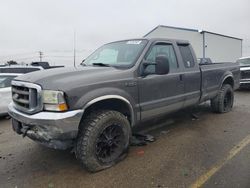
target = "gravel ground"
x: 184, y: 150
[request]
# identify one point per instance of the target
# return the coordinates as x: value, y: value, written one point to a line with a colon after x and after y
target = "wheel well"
x: 110, y: 104
x: 229, y: 80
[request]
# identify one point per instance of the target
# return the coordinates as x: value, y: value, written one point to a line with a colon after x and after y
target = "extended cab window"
x: 186, y: 55
x: 161, y: 49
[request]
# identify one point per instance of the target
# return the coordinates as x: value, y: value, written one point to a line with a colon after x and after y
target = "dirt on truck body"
x: 95, y: 107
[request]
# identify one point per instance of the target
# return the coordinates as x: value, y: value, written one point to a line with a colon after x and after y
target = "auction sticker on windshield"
x: 134, y: 42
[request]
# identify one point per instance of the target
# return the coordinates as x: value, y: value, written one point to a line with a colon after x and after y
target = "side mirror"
x: 162, y: 65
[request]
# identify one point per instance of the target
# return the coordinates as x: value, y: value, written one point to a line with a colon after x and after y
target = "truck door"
x: 160, y: 94
x: 191, y: 74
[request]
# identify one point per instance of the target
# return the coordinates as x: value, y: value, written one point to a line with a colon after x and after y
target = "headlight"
x: 54, y: 101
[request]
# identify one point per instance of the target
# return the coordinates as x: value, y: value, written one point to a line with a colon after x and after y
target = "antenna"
x: 74, y: 48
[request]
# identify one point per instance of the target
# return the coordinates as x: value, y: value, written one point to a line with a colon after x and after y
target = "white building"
x: 218, y: 47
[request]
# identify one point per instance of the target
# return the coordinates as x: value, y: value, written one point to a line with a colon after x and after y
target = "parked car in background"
x: 244, y: 71
x: 5, y: 91
x: 23, y: 69
x: 7, y: 74
x: 45, y: 65
x: 3, y: 64
x: 204, y: 61
x: 19, y: 69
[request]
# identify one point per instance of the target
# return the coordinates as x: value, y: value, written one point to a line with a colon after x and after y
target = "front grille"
x: 26, y: 96
x: 245, y: 74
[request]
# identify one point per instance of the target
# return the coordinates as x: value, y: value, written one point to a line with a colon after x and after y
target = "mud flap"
x: 141, y: 139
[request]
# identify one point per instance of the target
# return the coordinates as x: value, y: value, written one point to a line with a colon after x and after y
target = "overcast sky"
x: 29, y: 26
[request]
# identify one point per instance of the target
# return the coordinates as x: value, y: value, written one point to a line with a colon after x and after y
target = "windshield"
x: 244, y: 62
x: 118, y: 54
x: 5, y: 81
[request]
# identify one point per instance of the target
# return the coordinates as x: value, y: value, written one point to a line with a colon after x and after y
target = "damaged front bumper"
x: 52, y: 129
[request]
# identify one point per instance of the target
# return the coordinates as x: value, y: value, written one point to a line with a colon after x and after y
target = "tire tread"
x: 87, y: 126
x: 217, y: 103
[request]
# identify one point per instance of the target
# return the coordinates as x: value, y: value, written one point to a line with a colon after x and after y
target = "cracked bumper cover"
x: 53, y: 129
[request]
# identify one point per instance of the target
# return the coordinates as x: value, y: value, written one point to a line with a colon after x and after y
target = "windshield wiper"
x: 101, y: 64
x: 83, y: 64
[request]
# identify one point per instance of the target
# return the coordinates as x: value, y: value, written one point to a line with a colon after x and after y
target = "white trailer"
x: 218, y: 47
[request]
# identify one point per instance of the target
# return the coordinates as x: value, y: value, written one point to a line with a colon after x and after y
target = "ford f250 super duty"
x: 93, y: 108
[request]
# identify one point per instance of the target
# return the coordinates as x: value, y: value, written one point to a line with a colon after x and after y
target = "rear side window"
x: 187, y: 56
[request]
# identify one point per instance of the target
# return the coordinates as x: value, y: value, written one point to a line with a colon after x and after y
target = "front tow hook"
x: 25, y: 130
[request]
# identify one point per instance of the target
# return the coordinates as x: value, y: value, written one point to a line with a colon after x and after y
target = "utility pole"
x: 40, y: 56
x: 74, y: 48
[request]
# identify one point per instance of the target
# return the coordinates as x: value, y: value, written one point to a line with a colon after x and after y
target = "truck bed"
x: 212, y: 76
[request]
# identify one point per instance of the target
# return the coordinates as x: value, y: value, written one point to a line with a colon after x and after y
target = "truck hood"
x: 67, y: 78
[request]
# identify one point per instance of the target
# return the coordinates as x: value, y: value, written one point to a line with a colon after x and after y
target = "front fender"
x: 108, y: 93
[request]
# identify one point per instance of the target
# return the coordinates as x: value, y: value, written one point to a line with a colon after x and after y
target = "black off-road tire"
x: 224, y: 101
x: 91, y: 135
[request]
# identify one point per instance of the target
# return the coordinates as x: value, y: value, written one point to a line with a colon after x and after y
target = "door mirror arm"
x: 145, y: 64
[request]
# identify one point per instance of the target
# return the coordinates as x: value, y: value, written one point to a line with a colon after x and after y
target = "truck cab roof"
x: 167, y: 39
x: 178, y: 41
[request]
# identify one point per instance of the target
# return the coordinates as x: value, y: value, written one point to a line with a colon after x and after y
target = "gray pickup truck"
x: 93, y: 108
